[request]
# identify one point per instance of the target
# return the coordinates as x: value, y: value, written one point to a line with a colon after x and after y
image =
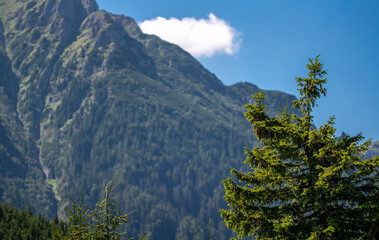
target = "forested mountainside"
x: 85, y: 96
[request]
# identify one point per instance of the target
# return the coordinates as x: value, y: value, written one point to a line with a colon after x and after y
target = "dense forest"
x: 22, y: 224
x: 86, y: 96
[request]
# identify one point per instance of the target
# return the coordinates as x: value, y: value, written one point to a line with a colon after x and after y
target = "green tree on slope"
x: 303, y: 183
x: 103, y: 222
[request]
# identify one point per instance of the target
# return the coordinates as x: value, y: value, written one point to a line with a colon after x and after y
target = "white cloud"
x: 200, y: 37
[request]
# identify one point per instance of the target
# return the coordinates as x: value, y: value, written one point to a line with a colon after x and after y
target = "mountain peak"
x: 85, y: 95
x: 37, y: 13
x: 90, y: 5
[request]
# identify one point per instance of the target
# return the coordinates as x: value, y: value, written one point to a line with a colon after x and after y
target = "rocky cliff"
x: 85, y: 96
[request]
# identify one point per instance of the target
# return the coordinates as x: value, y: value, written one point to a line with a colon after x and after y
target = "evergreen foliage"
x: 21, y: 224
x: 103, y: 222
x: 303, y: 183
x: 85, y: 95
x: 77, y: 217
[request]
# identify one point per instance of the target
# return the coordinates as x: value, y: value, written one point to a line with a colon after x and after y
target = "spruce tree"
x: 303, y: 183
x: 103, y: 222
x: 106, y: 217
x: 79, y: 221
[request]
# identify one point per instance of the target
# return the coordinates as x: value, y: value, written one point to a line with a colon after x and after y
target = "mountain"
x: 373, y: 151
x: 85, y: 96
x: 375, y: 148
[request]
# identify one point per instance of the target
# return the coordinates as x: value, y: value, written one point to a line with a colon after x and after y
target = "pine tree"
x: 303, y: 183
x: 102, y: 222
x: 106, y: 217
x: 21, y: 224
x: 79, y: 220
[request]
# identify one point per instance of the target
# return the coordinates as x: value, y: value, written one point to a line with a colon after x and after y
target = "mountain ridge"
x: 86, y: 96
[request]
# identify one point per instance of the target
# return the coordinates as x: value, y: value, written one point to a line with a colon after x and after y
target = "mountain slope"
x: 85, y: 96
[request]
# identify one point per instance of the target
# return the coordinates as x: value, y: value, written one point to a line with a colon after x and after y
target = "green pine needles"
x: 103, y: 222
x: 304, y: 183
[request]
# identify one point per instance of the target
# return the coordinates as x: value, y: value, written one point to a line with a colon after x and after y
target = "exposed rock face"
x: 85, y: 95
x: 374, y: 149
x: 33, y: 35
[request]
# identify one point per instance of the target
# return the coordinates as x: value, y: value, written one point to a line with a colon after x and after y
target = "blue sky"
x: 276, y: 38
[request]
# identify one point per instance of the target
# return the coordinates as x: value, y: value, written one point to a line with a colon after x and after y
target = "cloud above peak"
x: 200, y: 37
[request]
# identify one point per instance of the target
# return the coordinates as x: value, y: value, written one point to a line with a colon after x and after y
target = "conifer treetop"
x: 311, y: 88
x: 304, y: 182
